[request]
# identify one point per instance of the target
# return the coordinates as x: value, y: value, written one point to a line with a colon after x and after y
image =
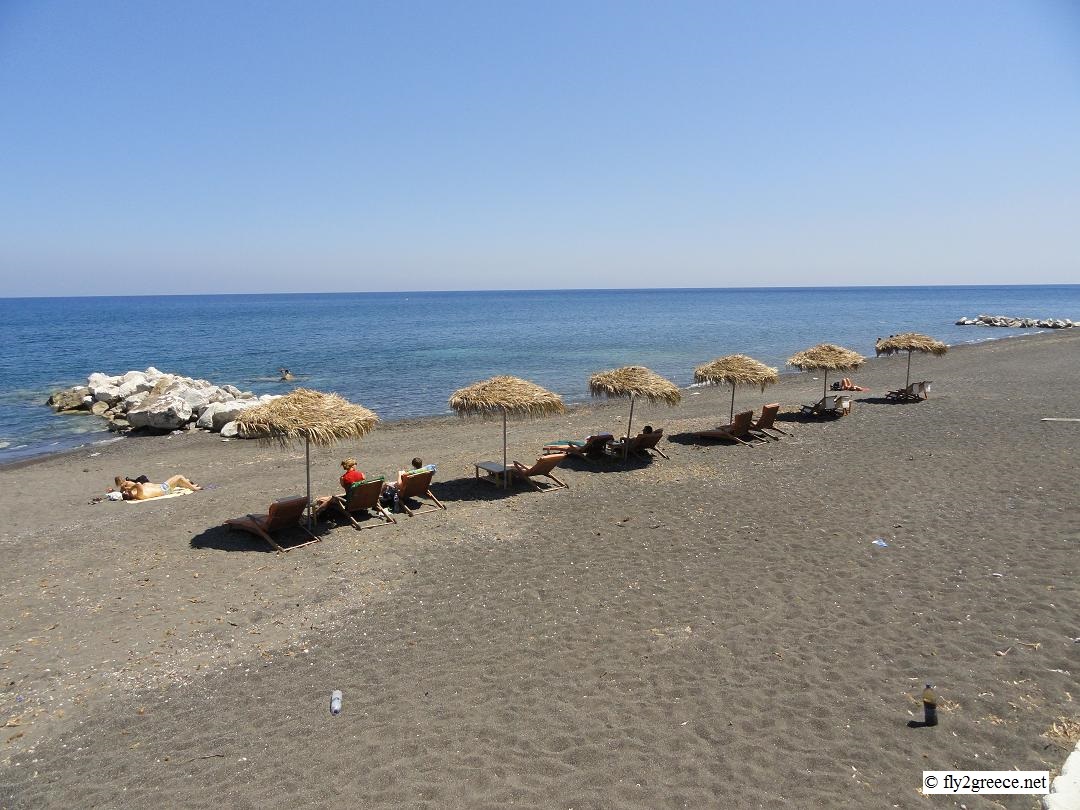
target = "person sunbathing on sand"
x: 847, y: 385
x: 136, y: 491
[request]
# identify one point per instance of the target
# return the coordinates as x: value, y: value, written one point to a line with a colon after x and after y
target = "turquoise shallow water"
x: 402, y: 354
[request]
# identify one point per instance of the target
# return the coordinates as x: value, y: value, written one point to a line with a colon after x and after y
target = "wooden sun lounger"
x: 283, y: 514
x: 519, y: 472
x: 639, y: 445
x: 766, y: 422
x: 591, y: 446
x: 916, y: 392
x: 839, y: 405
x: 739, y: 428
x: 418, y: 485
x: 362, y: 496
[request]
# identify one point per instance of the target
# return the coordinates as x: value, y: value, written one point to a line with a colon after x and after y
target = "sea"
x: 402, y: 354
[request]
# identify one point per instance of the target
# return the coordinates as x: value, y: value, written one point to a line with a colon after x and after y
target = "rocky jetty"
x: 1018, y: 323
x: 156, y: 401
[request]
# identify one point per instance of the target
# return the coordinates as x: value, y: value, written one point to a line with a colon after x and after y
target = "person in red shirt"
x: 351, y: 474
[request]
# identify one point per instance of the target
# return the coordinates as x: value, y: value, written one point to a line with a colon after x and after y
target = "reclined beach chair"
x: 916, y: 392
x: 286, y: 513
x: 519, y: 472
x: 362, y: 496
x: 638, y: 445
x: 587, y: 449
x: 766, y: 422
x: 417, y: 485
x: 829, y: 406
x: 737, y: 431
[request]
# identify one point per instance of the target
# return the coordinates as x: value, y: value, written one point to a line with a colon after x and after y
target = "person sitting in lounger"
x: 351, y: 475
x: 390, y: 491
x: 137, y: 491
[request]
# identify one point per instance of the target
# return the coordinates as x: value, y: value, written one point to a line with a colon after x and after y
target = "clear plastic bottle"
x: 335, y: 702
x: 929, y: 705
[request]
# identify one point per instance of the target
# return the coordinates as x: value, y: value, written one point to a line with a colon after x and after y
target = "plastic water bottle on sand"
x: 335, y: 702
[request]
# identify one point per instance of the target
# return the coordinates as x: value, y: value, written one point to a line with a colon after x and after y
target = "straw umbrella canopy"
x: 827, y: 357
x: 309, y: 416
x: 506, y: 395
x: 634, y: 382
x: 736, y: 369
x: 910, y: 342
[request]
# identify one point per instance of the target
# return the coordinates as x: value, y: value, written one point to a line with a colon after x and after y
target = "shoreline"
x: 423, y: 419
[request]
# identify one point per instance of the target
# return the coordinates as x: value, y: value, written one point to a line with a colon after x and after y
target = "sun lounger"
x: 282, y: 515
x: 829, y: 406
x: 363, y: 496
x: 737, y: 431
x: 417, y: 485
x: 519, y: 472
x: 590, y: 447
x: 916, y: 392
x: 766, y: 422
x: 640, y: 445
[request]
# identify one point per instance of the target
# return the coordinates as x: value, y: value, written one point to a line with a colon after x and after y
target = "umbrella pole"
x: 307, y: 464
x: 506, y: 477
x: 731, y: 419
x: 825, y: 390
x: 629, y: 422
x: 907, y: 382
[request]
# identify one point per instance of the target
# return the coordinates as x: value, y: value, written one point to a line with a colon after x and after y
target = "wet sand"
x: 713, y: 630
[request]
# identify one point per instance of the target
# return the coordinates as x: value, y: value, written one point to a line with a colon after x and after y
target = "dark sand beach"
x: 713, y: 630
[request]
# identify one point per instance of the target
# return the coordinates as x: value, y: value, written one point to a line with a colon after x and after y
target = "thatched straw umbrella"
x: 633, y: 382
x: 736, y: 369
x: 506, y: 395
x: 827, y: 357
x: 311, y: 416
x: 910, y: 342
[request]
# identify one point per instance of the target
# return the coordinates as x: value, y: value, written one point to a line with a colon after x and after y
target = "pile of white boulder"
x: 1023, y: 323
x: 158, y: 401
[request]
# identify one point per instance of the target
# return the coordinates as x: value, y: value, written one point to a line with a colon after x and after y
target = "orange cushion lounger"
x: 418, y: 485
x: 766, y: 422
x: 519, y: 472
x: 737, y: 431
x: 362, y: 496
x: 282, y: 515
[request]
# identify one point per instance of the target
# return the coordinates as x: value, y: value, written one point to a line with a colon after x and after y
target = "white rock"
x: 230, y: 430
x: 109, y: 394
x: 225, y: 412
x: 231, y: 389
x: 99, y: 379
x: 161, y: 412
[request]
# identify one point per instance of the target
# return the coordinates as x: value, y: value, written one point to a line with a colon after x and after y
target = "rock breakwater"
x: 158, y: 401
x: 1020, y: 323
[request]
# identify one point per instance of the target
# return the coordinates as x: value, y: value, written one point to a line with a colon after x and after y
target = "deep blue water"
x: 403, y: 354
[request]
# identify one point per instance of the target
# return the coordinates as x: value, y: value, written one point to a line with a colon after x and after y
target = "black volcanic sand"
x: 713, y: 630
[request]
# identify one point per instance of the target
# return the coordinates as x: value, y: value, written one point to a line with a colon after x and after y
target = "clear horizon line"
x: 539, y: 290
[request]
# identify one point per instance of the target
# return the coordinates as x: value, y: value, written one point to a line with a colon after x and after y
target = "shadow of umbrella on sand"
x: 506, y: 395
x: 308, y: 416
x: 827, y: 357
x: 634, y: 382
x: 910, y: 342
x: 736, y: 369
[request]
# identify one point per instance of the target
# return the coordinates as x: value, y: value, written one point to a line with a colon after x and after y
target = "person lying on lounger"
x: 137, y: 491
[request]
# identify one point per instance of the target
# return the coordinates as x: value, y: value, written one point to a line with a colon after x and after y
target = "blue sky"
x: 207, y: 147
